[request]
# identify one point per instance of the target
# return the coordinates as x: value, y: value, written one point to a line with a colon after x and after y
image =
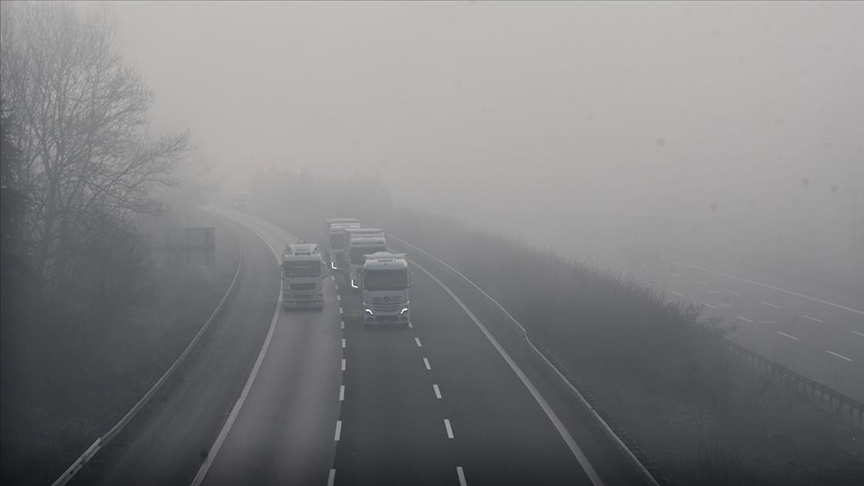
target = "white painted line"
x: 770, y: 305
x: 338, y: 430
x: 343, y: 364
x: 235, y: 411
x: 787, y: 335
x: 736, y: 294
x: 744, y: 319
x: 342, y: 393
x: 858, y: 333
x: 715, y: 291
x: 410, y: 325
x: 331, y: 479
x: 699, y: 282
x: 426, y: 362
x: 676, y: 294
x: 707, y: 305
x: 342, y: 324
x: 814, y: 319
x: 417, y: 340
x: 338, y: 298
x: 340, y: 310
x: 544, y: 405
x: 461, y: 474
x: 838, y: 355
x: 437, y: 392
x: 767, y: 322
x: 723, y: 305
x: 772, y: 288
x: 449, y: 429
x: 343, y: 343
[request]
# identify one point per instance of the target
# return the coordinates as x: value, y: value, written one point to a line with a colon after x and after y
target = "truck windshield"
x: 310, y: 268
x: 336, y: 241
x: 385, y: 280
x: 356, y: 254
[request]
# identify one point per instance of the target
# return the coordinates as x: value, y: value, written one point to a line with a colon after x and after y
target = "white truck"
x: 384, y: 282
x: 358, y: 242
x: 303, y: 273
x: 335, y: 230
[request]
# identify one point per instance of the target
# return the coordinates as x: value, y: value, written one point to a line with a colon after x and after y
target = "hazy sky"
x: 581, y: 111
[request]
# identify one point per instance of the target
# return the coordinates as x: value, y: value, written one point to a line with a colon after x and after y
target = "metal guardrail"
x: 826, y: 396
x: 635, y: 455
x: 91, y: 451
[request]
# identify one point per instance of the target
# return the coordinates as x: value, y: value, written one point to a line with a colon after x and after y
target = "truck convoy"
x: 384, y: 281
x: 302, y: 276
x: 358, y: 242
x: 335, y: 229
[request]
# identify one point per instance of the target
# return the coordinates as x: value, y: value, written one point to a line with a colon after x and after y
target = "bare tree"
x: 82, y: 125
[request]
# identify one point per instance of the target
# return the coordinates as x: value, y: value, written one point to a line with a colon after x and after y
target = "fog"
x: 719, y: 131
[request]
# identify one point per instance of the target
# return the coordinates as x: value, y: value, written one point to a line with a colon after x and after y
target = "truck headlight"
x: 369, y: 311
x: 403, y: 311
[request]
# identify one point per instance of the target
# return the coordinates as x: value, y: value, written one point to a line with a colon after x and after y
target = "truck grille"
x: 390, y: 305
x: 304, y: 286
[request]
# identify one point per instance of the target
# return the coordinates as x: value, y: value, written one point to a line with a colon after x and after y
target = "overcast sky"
x: 535, y: 111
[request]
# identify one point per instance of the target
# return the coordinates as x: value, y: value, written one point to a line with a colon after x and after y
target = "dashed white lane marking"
x: 796, y: 294
x: 331, y: 479
x: 343, y: 364
x: 343, y: 343
x: 715, y: 291
x: 767, y: 322
x: 410, y: 325
x: 338, y: 298
x: 342, y: 324
x: 723, y: 305
x: 699, y: 282
x: 340, y: 310
x: 449, y: 429
x: 838, y: 355
x: 461, y: 475
x: 744, y: 319
x: 417, y: 340
x: 426, y: 362
x: 342, y: 393
x: 858, y: 333
x: 736, y: 294
x: 814, y: 319
x: 787, y: 335
x: 707, y: 305
x: 338, y: 430
x: 770, y: 305
x: 676, y: 294
x: 437, y: 392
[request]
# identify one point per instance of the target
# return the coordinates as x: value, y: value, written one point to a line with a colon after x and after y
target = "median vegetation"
x: 656, y: 366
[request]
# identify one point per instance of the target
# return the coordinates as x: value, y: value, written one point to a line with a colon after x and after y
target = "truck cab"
x: 335, y: 230
x: 385, y: 282
x: 303, y: 273
x: 360, y: 242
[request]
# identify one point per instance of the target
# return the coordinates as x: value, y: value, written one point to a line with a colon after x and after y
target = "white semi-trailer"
x: 359, y: 242
x: 303, y: 274
x: 384, y: 282
x: 335, y: 230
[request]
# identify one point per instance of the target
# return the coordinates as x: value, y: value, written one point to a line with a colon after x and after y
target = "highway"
x: 819, y: 338
x: 316, y: 398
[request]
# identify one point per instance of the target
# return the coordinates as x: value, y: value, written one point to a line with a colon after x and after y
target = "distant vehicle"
x: 240, y: 202
x: 335, y: 228
x: 384, y: 281
x: 303, y: 273
x: 358, y: 242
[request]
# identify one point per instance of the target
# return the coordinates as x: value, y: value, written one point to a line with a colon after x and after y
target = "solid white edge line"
x: 417, y: 340
x: 338, y: 433
x: 838, y: 355
x: 787, y: 335
x: 461, y: 474
x: 814, y: 319
x: 553, y: 417
x: 770, y: 287
x: 223, y: 434
x: 449, y: 429
x: 437, y: 391
x: 331, y: 478
x: 341, y: 393
x: 426, y: 362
